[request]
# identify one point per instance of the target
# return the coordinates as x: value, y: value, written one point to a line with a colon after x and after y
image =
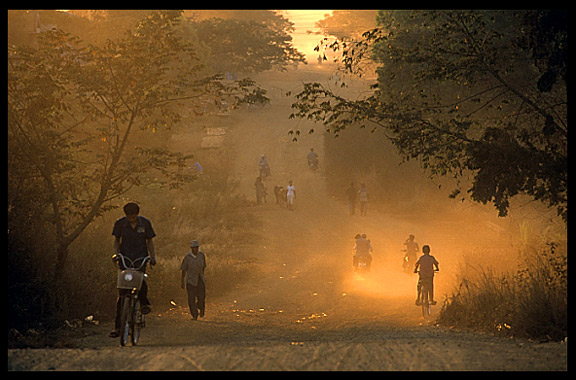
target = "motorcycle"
x: 407, y: 262
x: 264, y: 170
x: 313, y: 164
x: 362, y: 263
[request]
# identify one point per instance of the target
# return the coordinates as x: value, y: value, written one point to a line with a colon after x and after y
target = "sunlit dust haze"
x: 304, y: 22
x: 296, y: 265
x: 314, y: 243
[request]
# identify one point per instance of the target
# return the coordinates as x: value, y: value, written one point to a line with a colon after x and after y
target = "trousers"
x: 196, y: 297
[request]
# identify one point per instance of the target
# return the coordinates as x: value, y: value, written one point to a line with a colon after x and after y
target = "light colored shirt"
x: 290, y: 189
x: 194, y: 267
x: 426, y: 263
x: 363, y: 194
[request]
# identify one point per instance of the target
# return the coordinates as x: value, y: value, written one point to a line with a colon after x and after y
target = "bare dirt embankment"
x: 304, y: 309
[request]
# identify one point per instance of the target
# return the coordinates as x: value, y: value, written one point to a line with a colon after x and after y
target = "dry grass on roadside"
x: 529, y: 302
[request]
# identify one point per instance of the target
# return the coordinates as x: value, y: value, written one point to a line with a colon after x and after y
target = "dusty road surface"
x: 305, y: 309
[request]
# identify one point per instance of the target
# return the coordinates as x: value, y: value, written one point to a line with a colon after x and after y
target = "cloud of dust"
x: 463, y: 235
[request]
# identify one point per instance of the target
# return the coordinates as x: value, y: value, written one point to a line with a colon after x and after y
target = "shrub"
x: 530, y: 302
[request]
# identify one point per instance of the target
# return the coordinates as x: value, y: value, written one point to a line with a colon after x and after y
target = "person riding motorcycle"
x: 264, y: 167
x: 312, y: 159
x: 363, y: 247
x: 411, y: 253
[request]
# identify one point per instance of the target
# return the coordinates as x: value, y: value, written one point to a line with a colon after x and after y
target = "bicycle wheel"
x: 136, y: 323
x: 125, y: 321
x: 425, y: 304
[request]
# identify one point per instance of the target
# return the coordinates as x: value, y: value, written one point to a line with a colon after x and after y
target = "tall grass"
x: 209, y: 210
x: 528, y: 302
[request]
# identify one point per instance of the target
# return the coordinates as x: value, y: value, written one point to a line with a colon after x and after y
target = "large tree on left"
x: 74, y: 116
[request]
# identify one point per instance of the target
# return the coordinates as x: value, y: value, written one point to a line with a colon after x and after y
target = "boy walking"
x: 193, y: 279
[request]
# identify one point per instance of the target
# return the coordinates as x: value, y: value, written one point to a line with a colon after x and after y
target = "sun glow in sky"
x: 304, y: 20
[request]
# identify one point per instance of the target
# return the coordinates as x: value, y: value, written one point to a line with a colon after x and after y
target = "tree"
x: 248, y: 45
x: 466, y: 93
x: 344, y: 24
x: 74, y: 113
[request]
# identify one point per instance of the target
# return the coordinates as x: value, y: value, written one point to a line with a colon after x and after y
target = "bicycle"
x: 131, y: 318
x: 425, y: 288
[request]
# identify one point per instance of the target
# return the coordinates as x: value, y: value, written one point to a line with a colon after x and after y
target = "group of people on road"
x: 285, y: 196
x: 425, y: 266
x: 133, y: 236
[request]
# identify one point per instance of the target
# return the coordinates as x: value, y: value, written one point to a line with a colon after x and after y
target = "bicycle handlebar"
x: 117, y: 257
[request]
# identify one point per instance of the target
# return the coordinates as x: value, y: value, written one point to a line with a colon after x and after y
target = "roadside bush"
x: 542, y: 302
x: 530, y: 302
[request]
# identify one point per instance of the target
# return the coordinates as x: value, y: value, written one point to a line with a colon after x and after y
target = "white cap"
x: 194, y: 243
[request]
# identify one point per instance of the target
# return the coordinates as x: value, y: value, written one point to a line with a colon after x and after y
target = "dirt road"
x: 306, y: 309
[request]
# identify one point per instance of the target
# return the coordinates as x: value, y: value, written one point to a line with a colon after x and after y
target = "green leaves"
x: 459, y: 91
x: 77, y: 113
x: 249, y: 46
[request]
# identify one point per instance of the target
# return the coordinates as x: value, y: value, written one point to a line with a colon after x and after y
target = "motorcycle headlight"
x: 128, y: 276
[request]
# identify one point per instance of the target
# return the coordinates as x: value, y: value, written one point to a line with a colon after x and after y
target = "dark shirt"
x: 133, y: 240
x: 427, y: 263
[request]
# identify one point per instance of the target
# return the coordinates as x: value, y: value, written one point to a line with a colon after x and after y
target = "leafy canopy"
x: 82, y: 121
x: 468, y: 93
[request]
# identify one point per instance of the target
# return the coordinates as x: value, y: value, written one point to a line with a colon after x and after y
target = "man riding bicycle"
x: 133, y: 239
x: 427, y: 265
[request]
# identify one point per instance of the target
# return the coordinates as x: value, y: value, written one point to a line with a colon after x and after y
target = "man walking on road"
x: 193, y: 279
x: 351, y: 194
x: 260, y: 190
